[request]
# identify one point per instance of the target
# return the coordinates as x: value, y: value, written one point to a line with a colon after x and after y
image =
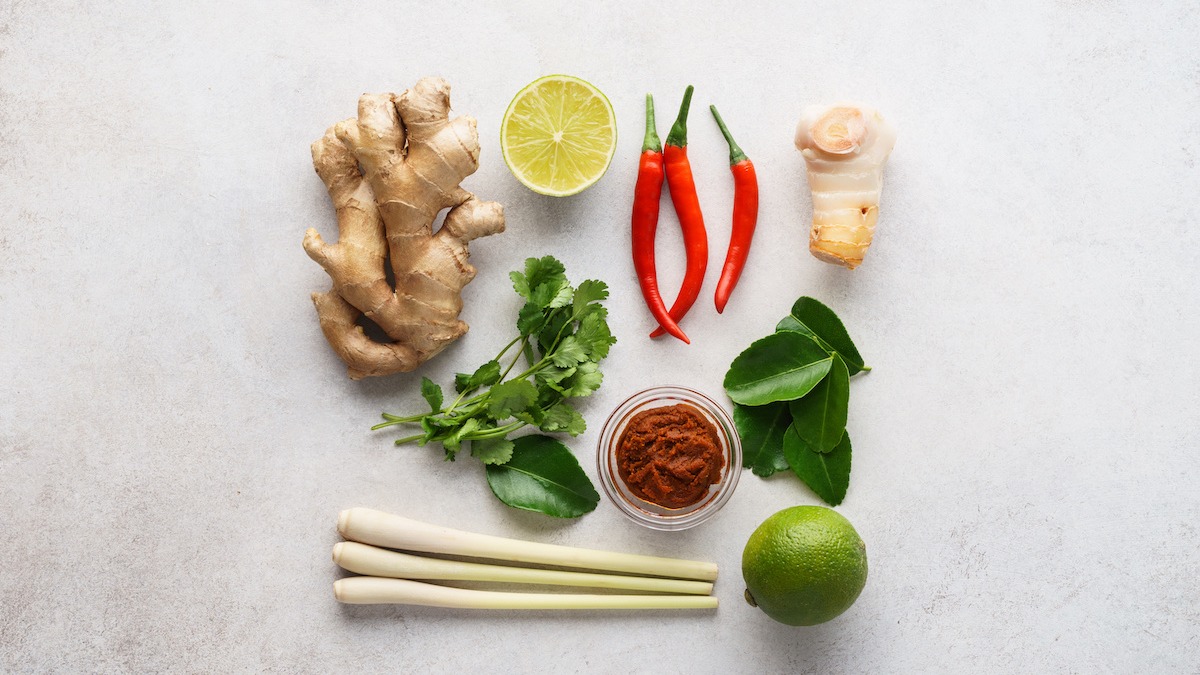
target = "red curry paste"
x: 670, y: 456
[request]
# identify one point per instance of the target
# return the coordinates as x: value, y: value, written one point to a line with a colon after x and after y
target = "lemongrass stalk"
x: 379, y: 591
x: 378, y: 562
x: 369, y: 526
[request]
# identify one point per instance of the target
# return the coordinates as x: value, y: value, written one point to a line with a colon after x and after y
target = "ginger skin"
x: 412, y: 159
x: 845, y: 148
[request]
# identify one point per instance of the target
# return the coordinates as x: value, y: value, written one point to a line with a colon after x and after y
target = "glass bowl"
x: 650, y: 514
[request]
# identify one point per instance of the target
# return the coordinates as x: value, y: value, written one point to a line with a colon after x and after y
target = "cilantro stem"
x: 527, y: 350
x: 536, y: 366
x: 514, y: 361
x: 471, y: 405
x: 498, y: 432
x: 453, y: 405
x: 558, y: 338
x: 393, y: 420
x: 498, y: 357
x: 507, y: 347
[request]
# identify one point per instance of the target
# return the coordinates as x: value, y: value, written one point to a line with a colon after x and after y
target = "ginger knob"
x: 845, y: 148
x: 389, y: 172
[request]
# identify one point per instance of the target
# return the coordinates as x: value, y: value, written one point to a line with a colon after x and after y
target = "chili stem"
x: 678, y: 135
x: 735, y: 152
x: 651, y: 142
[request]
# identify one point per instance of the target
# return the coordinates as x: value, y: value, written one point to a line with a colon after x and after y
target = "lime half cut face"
x: 559, y: 135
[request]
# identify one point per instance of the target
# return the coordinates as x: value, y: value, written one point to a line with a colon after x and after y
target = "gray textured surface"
x: 176, y: 438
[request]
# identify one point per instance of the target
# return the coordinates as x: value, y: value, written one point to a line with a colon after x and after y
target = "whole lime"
x: 804, y: 565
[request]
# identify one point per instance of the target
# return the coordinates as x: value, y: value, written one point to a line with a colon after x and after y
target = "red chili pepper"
x: 687, y: 207
x: 745, y: 215
x: 646, y: 197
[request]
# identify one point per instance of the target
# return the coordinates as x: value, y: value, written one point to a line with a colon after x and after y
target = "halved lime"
x: 558, y: 135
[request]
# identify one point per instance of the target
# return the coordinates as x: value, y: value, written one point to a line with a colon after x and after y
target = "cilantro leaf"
x: 585, y: 380
x: 547, y: 397
x: 531, y: 319
x: 537, y: 272
x: 436, y: 429
x: 532, y: 416
x: 554, y: 375
x: 471, y: 424
x: 484, y: 376
x: 544, y: 282
x: 547, y: 268
x: 588, y: 292
x: 563, y: 417
x: 520, y: 284
x: 453, y: 442
x: 555, y: 327
x: 570, y: 351
x: 507, y: 398
x: 492, y: 450
x: 595, y: 335
x: 432, y: 393
x: 552, y: 294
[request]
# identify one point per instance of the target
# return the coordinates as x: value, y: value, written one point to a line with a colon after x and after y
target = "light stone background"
x: 176, y: 438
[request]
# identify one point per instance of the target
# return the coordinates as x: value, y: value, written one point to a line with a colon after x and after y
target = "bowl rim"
x: 662, y: 518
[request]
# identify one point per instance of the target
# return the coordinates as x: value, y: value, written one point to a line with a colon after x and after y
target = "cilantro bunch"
x: 562, y: 335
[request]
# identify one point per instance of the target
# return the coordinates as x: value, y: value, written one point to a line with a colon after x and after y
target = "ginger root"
x: 845, y: 148
x: 389, y: 173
